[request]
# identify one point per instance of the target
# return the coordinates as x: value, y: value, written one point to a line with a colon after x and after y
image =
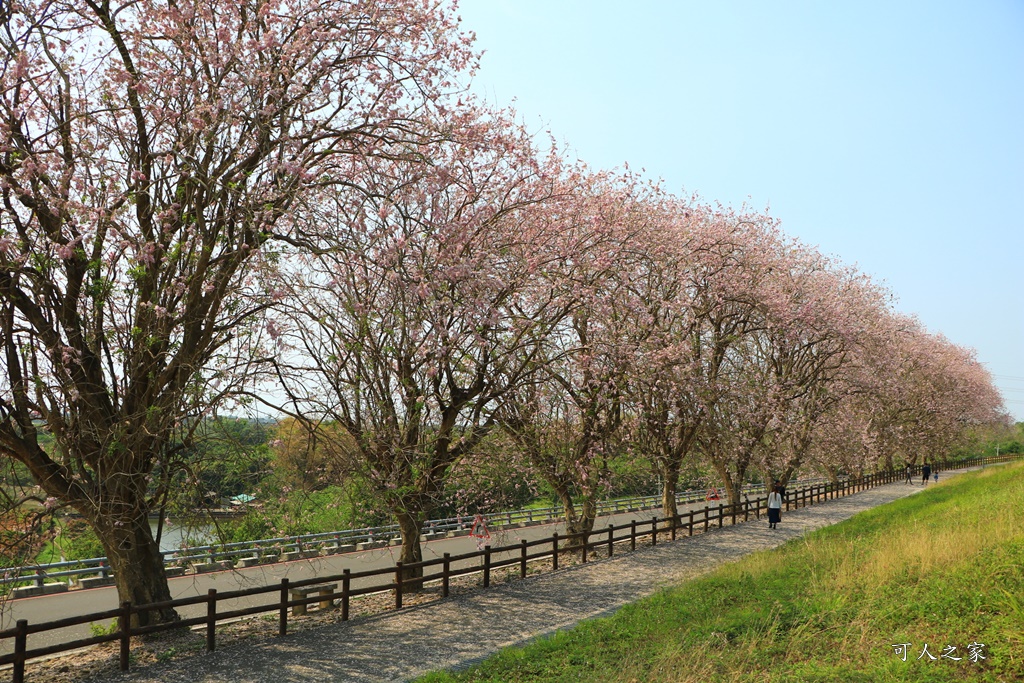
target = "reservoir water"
x: 175, y: 532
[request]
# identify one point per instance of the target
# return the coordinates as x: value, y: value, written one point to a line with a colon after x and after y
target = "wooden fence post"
x: 554, y: 552
x: 20, y: 646
x: 654, y: 530
x: 689, y: 523
x: 720, y: 515
x: 398, y: 585
x: 611, y: 539
x: 632, y: 535
x: 522, y: 560
x: 445, y: 569
x: 211, y: 619
x: 125, y: 623
x: 487, y: 566
x: 282, y: 625
x: 346, y: 583
x: 707, y: 514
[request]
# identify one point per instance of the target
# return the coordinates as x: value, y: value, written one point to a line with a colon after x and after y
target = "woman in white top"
x: 774, y: 507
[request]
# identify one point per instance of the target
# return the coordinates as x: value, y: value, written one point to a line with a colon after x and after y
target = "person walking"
x: 926, y: 472
x: 910, y: 474
x: 936, y: 475
x: 774, y: 507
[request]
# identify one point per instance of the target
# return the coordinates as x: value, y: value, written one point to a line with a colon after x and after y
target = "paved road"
x: 62, y: 605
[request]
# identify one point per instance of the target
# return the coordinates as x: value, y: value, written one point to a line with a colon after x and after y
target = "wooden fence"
x: 437, y: 570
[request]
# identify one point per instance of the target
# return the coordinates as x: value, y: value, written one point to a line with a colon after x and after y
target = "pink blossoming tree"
x: 149, y: 151
x: 414, y: 304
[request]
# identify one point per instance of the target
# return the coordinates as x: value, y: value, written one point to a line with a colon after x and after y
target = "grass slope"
x: 944, y: 568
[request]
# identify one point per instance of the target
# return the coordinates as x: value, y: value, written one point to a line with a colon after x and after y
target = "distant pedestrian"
x: 926, y: 473
x: 936, y: 476
x: 910, y: 475
x: 774, y: 507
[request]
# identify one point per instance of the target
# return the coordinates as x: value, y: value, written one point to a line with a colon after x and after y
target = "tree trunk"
x: 784, y: 479
x: 581, y: 523
x: 732, y: 491
x: 889, y: 461
x: 589, y: 515
x: 833, y: 476
x: 411, y: 528
x: 770, y: 482
x: 138, y: 567
x: 584, y: 523
x: 669, y: 486
x: 568, y: 508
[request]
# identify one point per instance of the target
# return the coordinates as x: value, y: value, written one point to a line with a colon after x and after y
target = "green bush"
x: 284, y: 511
x: 77, y: 541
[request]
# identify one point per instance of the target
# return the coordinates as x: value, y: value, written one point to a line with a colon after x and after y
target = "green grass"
x: 943, y: 568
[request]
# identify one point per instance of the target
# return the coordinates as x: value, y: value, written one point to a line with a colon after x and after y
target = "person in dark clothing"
x: 926, y: 472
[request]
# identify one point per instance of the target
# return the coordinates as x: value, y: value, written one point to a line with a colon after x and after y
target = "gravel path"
x: 453, y: 633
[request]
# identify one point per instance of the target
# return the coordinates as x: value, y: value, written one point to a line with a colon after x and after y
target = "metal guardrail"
x: 262, y: 550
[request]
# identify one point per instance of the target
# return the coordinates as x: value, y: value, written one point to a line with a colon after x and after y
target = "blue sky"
x: 888, y: 134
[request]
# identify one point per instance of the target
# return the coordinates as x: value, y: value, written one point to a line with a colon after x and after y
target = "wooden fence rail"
x: 489, y: 558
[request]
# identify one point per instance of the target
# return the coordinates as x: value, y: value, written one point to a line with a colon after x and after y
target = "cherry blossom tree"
x: 921, y: 394
x: 809, y: 347
x: 783, y: 371
x: 697, y: 298
x: 149, y: 152
x: 567, y: 419
x: 414, y: 306
x: 840, y: 440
